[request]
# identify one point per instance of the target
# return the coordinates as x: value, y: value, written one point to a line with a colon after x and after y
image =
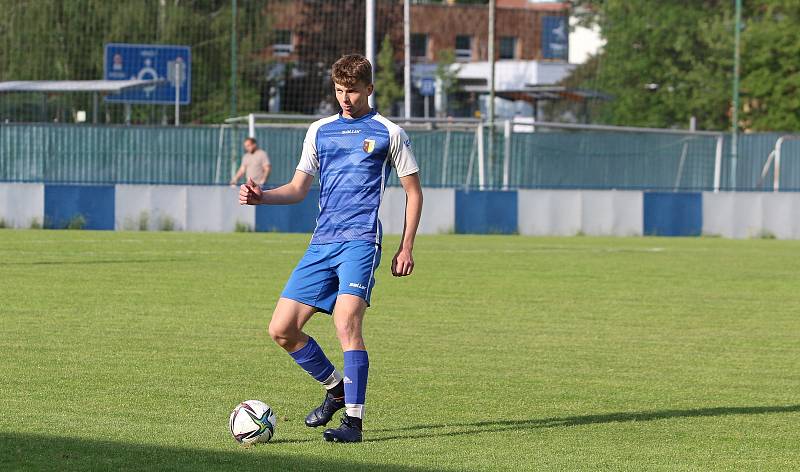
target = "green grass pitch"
x: 127, y: 351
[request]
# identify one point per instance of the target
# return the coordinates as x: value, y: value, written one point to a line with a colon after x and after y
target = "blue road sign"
x: 428, y: 87
x: 150, y: 62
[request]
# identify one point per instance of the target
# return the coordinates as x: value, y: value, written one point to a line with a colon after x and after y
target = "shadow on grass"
x: 91, y: 262
x: 42, y: 452
x: 458, y: 429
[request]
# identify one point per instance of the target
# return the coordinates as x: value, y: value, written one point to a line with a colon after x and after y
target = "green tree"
x: 388, y: 90
x: 662, y: 63
x: 447, y: 75
x: 770, y: 86
x: 665, y: 61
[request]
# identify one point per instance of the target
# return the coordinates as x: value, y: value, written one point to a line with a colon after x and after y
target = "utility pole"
x: 233, y: 57
x: 491, y: 89
x: 735, y: 113
x: 370, y: 42
x: 407, y: 58
x: 177, y: 93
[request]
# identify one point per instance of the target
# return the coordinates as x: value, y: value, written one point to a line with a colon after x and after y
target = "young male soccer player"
x: 352, y: 153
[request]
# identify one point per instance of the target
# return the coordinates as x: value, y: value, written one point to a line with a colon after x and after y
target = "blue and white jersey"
x: 353, y: 159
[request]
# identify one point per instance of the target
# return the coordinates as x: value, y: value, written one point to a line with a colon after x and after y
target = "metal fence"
x: 449, y: 156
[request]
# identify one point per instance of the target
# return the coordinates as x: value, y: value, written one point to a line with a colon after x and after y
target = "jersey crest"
x: 369, y: 145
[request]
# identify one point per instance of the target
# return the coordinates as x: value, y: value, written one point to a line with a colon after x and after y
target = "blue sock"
x: 356, y: 368
x: 311, y: 358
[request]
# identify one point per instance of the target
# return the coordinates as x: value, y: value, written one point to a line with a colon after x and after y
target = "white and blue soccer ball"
x: 252, y: 421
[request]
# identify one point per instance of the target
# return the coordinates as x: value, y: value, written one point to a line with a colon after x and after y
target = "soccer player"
x: 352, y: 153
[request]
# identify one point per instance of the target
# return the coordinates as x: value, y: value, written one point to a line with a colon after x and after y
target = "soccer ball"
x: 252, y: 422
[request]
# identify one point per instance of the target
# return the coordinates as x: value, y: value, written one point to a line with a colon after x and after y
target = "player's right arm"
x: 293, y: 192
x: 296, y: 190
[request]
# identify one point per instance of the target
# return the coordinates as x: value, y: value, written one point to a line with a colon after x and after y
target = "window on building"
x: 419, y: 45
x: 463, y: 47
x: 282, y: 43
x: 555, y: 38
x: 508, y: 47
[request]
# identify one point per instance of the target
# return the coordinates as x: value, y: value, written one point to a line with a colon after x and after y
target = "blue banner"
x: 427, y: 87
x: 172, y: 64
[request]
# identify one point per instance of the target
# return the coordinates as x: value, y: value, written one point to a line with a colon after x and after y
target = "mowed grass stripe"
x: 129, y: 350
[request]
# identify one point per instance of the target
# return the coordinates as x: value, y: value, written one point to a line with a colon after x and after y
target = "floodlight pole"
x: 491, y: 89
x: 735, y: 111
x: 233, y: 57
x: 407, y: 58
x: 370, y: 41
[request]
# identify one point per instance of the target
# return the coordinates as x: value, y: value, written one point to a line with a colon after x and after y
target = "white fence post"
x: 251, y: 125
x: 718, y: 164
x: 506, y: 152
x: 481, y: 178
x: 445, y: 157
x: 776, y: 174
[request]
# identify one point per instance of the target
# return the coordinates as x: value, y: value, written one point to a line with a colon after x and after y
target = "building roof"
x: 68, y: 86
x: 542, y: 5
x: 511, y: 74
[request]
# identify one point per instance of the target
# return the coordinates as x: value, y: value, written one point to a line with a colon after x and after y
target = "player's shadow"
x: 30, y: 451
x: 459, y: 429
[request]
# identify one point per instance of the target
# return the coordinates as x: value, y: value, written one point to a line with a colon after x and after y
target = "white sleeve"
x: 400, y: 154
x: 309, y: 162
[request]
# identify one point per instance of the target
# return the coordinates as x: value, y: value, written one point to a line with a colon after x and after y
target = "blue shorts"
x: 329, y: 270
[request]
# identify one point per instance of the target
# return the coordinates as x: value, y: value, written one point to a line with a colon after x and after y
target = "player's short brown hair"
x: 351, y: 69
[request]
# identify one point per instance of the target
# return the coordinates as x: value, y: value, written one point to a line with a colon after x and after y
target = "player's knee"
x: 349, y: 333
x: 280, y: 333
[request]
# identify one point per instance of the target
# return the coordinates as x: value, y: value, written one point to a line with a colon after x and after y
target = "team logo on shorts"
x: 369, y: 145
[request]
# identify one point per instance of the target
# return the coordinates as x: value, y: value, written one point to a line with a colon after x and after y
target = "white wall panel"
x: 733, y: 214
x: 438, y: 211
x: 571, y: 212
x: 718, y: 213
x: 21, y: 204
x: 216, y: 208
x: 781, y: 215
x: 159, y: 206
x: 751, y: 214
x: 628, y: 213
x: 549, y: 212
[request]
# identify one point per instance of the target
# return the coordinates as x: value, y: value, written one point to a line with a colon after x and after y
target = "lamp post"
x: 233, y: 57
x: 735, y: 113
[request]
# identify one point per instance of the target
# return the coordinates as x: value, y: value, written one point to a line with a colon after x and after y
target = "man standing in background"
x: 255, y: 164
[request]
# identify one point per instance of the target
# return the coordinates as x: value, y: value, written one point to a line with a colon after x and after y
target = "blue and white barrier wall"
x: 527, y: 212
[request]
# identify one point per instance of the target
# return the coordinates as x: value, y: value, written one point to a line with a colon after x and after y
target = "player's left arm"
x: 403, y: 261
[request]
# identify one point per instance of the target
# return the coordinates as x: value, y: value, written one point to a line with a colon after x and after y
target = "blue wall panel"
x: 673, y: 214
x: 298, y: 218
x: 489, y: 212
x: 63, y: 204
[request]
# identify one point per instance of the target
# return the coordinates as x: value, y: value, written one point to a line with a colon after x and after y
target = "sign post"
x: 427, y: 89
x: 177, y: 93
